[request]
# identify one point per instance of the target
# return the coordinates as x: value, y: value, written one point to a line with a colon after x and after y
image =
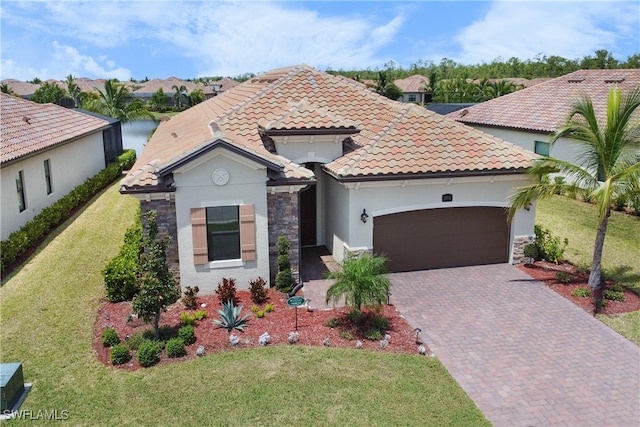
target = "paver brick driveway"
x: 525, y: 355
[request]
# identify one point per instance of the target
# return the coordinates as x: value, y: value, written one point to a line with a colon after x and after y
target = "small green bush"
x: 531, y: 251
x: 284, y: 281
x: 581, y: 292
x: 119, y: 274
x: 380, y: 323
x: 187, y: 334
x: 333, y: 322
x: 226, y: 290
x: 258, y: 290
x: 269, y: 308
x: 110, y: 337
x: 254, y: 308
x: 347, y: 335
x: 612, y: 295
x: 373, y: 334
x: 559, y: 182
x: 136, y: 340
x: 148, y: 353
x: 550, y: 247
x: 260, y: 314
x: 166, y: 333
x: 120, y: 354
x: 200, y: 314
x: 563, y: 277
x: 175, y: 347
x: 187, y: 318
x: 616, y: 288
x: 355, y: 317
x: 620, y: 202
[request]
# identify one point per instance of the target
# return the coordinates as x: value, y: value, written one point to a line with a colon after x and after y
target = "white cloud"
x: 82, y: 65
x: 525, y: 29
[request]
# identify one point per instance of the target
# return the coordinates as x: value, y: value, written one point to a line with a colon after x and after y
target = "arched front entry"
x: 441, y: 238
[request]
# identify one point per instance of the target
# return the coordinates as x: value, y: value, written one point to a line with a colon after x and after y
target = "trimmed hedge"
x: 19, y: 242
x: 120, y: 272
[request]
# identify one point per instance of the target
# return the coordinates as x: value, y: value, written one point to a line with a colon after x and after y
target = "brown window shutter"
x: 247, y: 233
x: 199, y: 231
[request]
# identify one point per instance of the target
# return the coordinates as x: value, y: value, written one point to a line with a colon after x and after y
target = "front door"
x: 308, y: 216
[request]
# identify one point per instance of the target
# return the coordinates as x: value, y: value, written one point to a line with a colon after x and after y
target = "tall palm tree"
x: 179, y: 93
x: 609, y: 164
x: 117, y: 102
x: 73, y: 90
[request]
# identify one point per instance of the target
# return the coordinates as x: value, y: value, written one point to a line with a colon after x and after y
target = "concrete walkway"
x: 524, y: 354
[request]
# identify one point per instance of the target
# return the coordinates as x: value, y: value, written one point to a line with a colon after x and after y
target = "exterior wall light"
x: 364, y: 216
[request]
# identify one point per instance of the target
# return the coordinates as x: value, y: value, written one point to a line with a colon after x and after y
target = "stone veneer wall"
x: 167, y: 226
x: 283, y: 220
x: 518, y: 248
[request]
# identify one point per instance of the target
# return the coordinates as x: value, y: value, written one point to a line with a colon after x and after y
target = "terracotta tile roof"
x: 21, y: 88
x: 544, y: 106
x: 27, y: 127
x: 166, y: 84
x: 412, y: 84
x: 305, y: 115
x: 394, y: 138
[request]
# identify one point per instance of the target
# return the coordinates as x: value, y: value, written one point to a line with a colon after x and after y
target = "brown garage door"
x: 440, y: 238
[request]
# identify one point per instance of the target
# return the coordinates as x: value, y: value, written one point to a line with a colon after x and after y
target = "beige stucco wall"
x: 345, y: 230
x: 195, y: 188
x: 71, y: 165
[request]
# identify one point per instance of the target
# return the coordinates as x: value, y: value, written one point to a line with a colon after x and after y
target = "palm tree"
x: 361, y: 281
x: 73, y: 90
x: 5, y: 88
x: 179, y: 92
x: 609, y: 165
x: 117, y: 102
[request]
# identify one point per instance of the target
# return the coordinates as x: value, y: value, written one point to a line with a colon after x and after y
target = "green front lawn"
x: 577, y: 221
x: 48, y: 308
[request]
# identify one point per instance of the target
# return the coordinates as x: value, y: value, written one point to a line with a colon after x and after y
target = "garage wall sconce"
x: 364, y: 216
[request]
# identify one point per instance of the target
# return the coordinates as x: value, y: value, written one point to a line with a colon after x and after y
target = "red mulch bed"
x: 278, y: 323
x: 545, y: 272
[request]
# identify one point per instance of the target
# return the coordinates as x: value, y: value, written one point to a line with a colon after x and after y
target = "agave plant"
x: 230, y: 318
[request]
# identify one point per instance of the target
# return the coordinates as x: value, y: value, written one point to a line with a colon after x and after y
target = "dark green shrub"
x: 283, y: 245
x: 175, y: 347
x: 283, y: 262
x: 190, y: 298
x: 355, y: 317
x: 563, y: 277
x: 120, y: 354
x: 258, y: 290
x: 284, y: 281
x: 136, y: 340
x: 110, y: 337
x: 612, y: 295
x: 550, y: 247
x: 616, y: 288
x: 119, y: 274
x: 333, y: 322
x: 620, y: 202
x: 187, y: 334
x: 226, y: 290
x: 347, y: 335
x: 380, y: 323
x: 167, y: 332
x: 559, y: 182
x: 581, y: 292
x: 530, y: 251
x: 148, y: 353
x: 127, y: 159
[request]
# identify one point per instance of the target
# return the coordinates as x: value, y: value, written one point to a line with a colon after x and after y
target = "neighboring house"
x: 147, y: 89
x: 414, y: 89
x: 322, y: 160
x: 23, y: 89
x: 529, y: 116
x: 47, y: 151
x: 216, y: 87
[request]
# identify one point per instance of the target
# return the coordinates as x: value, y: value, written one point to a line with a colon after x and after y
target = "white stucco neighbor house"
x: 47, y: 151
x: 529, y: 116
x: 324, y: 161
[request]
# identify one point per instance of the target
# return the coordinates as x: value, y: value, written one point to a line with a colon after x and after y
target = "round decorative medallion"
x: 220, y: 176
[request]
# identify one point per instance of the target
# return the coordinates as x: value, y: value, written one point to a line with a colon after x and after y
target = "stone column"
x: 283, y: 220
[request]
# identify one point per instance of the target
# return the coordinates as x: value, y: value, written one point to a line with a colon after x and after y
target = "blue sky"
x: 186, y: 39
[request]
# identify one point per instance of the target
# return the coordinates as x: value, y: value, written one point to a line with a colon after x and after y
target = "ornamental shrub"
x: 612, y: 295
x: 120, y: 354
x: 190, y: 298
x: 110, y: 337
x: 580, y: 292
x: 258, y: 290
x: 187, y: 334
x: 200, y: 314
x: 187, y: 318
x: 226, y: 290
x: 550, y: 247
x: 175, y: 347
x: 148, y: 353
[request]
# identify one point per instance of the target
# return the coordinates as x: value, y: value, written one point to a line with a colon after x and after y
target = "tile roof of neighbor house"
x: 544, y: 107
x: 27, y: 127
x: 395, y: 139
x: 416, y: 83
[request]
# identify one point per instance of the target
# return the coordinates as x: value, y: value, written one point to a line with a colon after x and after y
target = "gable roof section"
x: 27, y: 127
x: 394, y: 138
x: 413, y: 84
x: 545, y: 106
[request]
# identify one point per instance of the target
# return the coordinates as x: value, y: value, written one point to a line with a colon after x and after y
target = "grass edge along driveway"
x: 47, y: 311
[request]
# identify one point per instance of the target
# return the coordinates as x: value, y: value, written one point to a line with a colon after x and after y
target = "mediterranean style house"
x: 47, y: 151
x: 323, y: 161
x: 529, y: 116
